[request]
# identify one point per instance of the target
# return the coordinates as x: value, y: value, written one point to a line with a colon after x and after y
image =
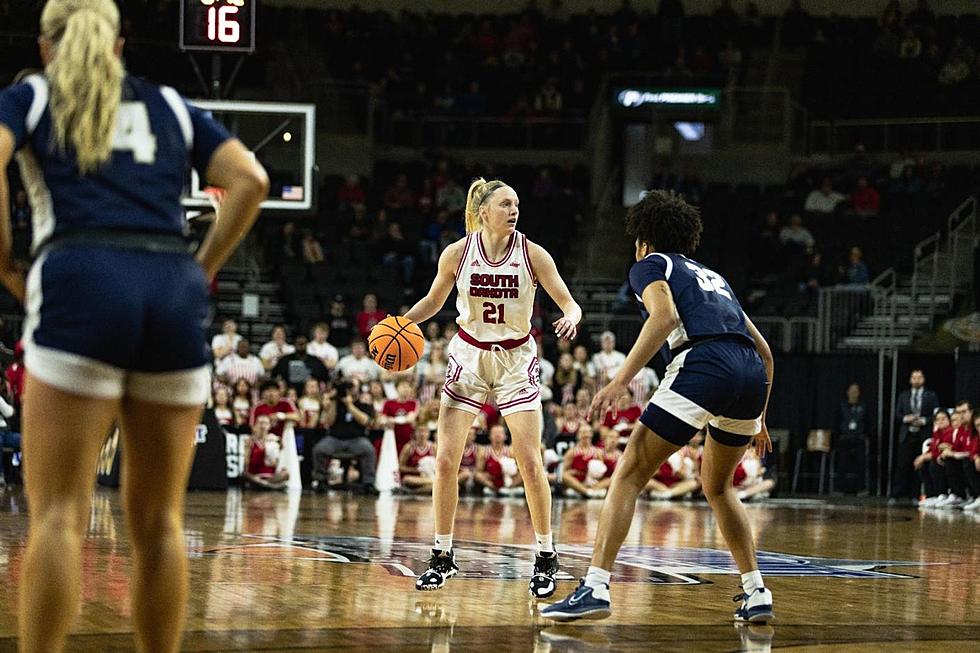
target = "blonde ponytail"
x: 85, y: 76
x: 480, y: 191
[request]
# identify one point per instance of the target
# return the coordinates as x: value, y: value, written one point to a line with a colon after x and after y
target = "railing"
x: 839, y: 310
x: 961, y: 227
x: 894, y: 134
x: 497, y: 133
x: 929, y: 247
x: 787, y: 335
x: 761, y: 114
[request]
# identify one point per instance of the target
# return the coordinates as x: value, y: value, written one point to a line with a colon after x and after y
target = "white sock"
x: 444, y: 542
x: 546, y: 543
x: 596, y: 577
x: 752, y: 581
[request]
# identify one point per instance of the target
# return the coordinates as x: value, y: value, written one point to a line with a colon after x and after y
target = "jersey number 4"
x: 133, y: 133
x: 710, y: 281
x: 493, y: 313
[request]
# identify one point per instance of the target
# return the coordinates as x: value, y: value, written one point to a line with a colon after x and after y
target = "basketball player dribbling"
x: 116, y: 307
x: 496, y: 271
x: 719, y: 375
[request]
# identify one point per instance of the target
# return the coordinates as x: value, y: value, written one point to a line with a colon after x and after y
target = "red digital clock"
x: 217, y: 25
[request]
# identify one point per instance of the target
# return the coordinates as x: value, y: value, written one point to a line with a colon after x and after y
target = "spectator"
x: 546, y: 374
x: 272, y: 404
x: 241, y: 403
x: 225, y: 342
x: 418, y: 473
x: 222, y: 408
x: 911, y: 46
x: 312, y: 249
x: 243, y: 364
x: 346, y: 419
x: 607, y: 361
x: 581, y: 362
x: 310, y: 405
x: 356, y: 365
x: 264, y: 457
x: 276, y: 348
x: 369, y: 315
x: 971, y: 468
x: 929, y: 467
x: 958, y: 458
x: 824, y: 199
x: 496, y: 469
x: 8, y: 437
x: 299, y: 366
x: 642, y: 386
x: 622, y: 418
x: 679, y: 476
x: 922, y: 15
x: 865, y: 200
x: 730, y: 60
x: 955, y: 71
x: 578, y: 475
x: 913, y: 417
x: 549, y: 98
x: 897, y: 167
x: 14, y: 374
x: 796, y: 238
x: 566, y: 381
x: 431, y: 371
x: 340, y: 323
x: 851, y: 438
x: 399, y: 195
x: 451, y: 197
x: 543, y: 187
x: 908, y: 183
x: 321, y: 348
x: 467, y: 463
x: 401, y: 413
x: 857, y: 273
x: 749, y: 479
x: 473, y: 102
x: 397, y: 252
x: 351, y: 193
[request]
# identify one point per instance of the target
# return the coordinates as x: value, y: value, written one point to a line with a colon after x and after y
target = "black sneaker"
x: 542, y: 583
x: 442, y: 567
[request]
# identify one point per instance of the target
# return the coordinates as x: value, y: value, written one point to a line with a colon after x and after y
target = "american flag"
x: 292, y: 193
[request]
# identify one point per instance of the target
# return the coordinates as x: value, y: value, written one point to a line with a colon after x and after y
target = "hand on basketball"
x: 605, y: 399
x: 565, y: 328
x: 762, y: 442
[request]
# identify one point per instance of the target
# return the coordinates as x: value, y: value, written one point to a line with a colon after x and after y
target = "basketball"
x: 396, y: 343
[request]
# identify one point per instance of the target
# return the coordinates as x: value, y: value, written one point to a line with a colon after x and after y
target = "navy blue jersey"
x: 705, y: 303
x: 158, y: 136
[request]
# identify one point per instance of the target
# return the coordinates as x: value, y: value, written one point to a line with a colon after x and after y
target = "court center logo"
x: 484, y: 561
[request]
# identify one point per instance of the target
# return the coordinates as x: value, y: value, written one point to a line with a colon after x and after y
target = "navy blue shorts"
x: 721, y: 383
x: 110, y: 322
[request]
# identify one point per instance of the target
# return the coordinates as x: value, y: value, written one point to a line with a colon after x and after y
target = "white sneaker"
x: 973, y: 505
x: 951, y: 503
x: 932, y: 502
x: 487, y: 492
x: 755, y: 607
x: 572, y: 494
x: 597, y: 494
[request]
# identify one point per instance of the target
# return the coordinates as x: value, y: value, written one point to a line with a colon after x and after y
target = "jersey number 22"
x: 710, y: 281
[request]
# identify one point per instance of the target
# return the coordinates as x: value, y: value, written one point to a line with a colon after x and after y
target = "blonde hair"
x: 480, y: 191
x: 85, y: 76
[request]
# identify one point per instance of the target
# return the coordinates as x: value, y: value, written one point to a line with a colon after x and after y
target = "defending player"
x: 115, y: 309
x: 719, y: 375
x: 496, y: 271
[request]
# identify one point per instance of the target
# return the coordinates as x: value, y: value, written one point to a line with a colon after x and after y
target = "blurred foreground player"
x: 719, y: 376
x: 496, y: 271
x: 116, y: 308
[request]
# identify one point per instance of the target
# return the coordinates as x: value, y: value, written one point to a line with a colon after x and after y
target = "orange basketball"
x: 396, y: 343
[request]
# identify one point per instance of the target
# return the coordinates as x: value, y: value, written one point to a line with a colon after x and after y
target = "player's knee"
x: 149, y: 526
x: 61, y: 519
x: 715, y: 488
x: 446, y: 467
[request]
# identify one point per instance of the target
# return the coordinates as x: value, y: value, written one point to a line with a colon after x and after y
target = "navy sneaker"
x: 583, y: 603
x: 754, y: 608
x: 442, y: 567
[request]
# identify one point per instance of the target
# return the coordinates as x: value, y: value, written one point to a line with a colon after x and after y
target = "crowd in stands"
x: 341, y: 404
x: 823, y: 226
x: 949, y: 465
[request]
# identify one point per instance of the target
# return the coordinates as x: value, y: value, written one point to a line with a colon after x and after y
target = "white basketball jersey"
x: 496, y: 298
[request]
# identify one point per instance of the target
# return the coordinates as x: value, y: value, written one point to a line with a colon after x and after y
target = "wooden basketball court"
x: 336, y: 573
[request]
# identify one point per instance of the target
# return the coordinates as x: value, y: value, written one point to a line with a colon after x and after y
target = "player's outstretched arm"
x: 549, y: 278
x: 442, y: 285
x: 762, y: 441
x: 663, y: 319
x: 9, y: 276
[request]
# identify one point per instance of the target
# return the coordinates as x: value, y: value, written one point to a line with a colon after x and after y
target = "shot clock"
x: 217, y: 25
